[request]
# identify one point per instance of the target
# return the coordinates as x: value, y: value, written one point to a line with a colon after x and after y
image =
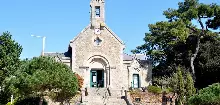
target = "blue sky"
x: 61, y: 20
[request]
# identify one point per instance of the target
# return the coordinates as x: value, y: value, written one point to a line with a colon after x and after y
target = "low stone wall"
x: 74, y: 101
x: 146, y: 98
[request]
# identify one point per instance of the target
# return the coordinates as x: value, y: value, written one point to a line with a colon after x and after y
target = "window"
x: 97, y: 41
x: 97, y: 11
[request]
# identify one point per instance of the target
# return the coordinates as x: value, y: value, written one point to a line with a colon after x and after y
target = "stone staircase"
x: 101, y: 96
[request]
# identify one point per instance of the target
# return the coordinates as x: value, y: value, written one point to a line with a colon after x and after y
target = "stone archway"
x: 97, y: 63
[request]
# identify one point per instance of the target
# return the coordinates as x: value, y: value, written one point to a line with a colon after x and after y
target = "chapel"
x: 97, y: 55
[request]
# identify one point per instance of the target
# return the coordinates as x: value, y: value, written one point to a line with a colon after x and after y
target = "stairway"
x: 100, y: 96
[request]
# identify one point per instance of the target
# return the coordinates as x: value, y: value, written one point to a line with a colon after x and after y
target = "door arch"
x: 98, y: 68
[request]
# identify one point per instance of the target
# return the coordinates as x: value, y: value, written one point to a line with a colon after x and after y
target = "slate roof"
x: 140, y: 57
x: 127, y: 57
x: 54, y: 54
x: 59, y: 55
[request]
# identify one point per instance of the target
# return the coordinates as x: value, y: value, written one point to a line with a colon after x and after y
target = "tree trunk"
x: 194, y: 57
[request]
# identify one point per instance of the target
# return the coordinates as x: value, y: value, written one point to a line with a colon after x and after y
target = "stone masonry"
x: 98, y: 48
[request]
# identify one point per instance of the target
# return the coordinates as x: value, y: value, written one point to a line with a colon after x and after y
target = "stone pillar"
x: 83, y: 95
x: 87, y: 76
x: 108, y: 77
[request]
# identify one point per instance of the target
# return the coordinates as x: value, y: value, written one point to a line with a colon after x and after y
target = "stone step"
x: 95, y: 103
x: 100, y: 96
x: 107, y: 100
x: 97, y: 92
x: 116, y: 103
x: 93, y: 98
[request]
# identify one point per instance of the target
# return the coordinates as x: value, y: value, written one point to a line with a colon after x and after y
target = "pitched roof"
x: 114, y: 34
x: 127, y: 57
x: 134, y: 56
x: 60, y: 56
x: 106, y: 27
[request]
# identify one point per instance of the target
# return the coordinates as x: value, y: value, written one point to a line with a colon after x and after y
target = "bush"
x: 31, y: 101
x: 207, y: 96
x: 43, y: 76
x: 154, y: 89
x: 9, y: 103
x: 168, y: 90
x: 80, y: 80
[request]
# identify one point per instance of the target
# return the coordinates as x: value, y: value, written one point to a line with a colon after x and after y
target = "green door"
x: 97, y: 78
x: 93, y: 78
x: 136, y: 81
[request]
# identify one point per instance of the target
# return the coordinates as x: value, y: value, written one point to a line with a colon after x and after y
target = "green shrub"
x: 13, y: 103
x: 207, y: 96
x: 31, y: 101
x: 9, y: 103
x: 168, y: 90
x: 154, y: 89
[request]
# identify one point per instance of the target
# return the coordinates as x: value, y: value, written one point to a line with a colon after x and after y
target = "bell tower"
x: 97, y: 17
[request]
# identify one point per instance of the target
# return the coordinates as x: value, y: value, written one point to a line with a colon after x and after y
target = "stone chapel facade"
x: 97, y: 54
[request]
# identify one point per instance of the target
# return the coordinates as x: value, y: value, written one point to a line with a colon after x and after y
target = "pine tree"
x: 180, y: 87
x: 190, y: 89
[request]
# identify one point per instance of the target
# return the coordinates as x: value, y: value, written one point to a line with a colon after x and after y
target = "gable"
x: 105, y: 28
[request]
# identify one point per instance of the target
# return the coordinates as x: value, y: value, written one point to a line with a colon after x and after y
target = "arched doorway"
x: 98, y: 73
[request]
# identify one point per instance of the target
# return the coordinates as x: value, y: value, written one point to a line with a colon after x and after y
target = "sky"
x: 61, y: 20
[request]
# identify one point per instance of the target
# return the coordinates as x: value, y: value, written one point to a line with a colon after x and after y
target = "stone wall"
x: 143, y: 70
x: 110, y: 48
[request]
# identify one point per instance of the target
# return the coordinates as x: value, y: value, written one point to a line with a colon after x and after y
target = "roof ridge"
x: 53, y: 52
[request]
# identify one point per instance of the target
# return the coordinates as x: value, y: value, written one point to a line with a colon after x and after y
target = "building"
x: 97, y: 54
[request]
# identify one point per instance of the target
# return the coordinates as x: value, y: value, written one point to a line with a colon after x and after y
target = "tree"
x: 207, y: 96
x: 180, y: 87
x: 188, y: 11
x: 178, y: 40
x: 9, y: 60
x: 215, y: 22
x: 207, y: 64
x: 43, y: 76
x: 189, y: 86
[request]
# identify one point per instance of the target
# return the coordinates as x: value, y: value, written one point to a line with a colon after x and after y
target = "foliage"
x: 168, y: 90
x: 13, y: 103
x: 180, y: 87
x: 207, y: 96
x: 9, y: 103
x: 43, y: 76
x: 80, y: 80
x: 180, y: 41
x: 154, y: 89
x: 9, y: 61
x: 163, y: 81
x: 189, y: 86
x: 215, y: 22
x: 9, y: 55
x: 207, y: 64
x: 31, y: 101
